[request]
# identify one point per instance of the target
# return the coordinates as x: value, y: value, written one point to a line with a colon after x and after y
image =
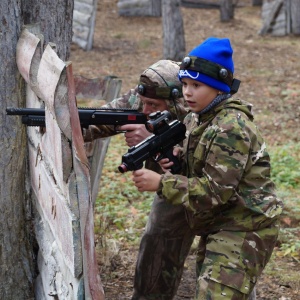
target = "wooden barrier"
x: 150, y: 8
x: 99, y: 91
x: 60, y: 179
x: 84, y: 17
x: 280, y: 17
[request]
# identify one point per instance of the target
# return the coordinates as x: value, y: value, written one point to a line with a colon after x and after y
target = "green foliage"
x: 286, y: 174
x: 290, y: 243
x: 286, y: 165
x: 285, y: 162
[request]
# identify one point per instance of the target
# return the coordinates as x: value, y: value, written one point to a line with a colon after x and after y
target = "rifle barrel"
x: 25, y: 111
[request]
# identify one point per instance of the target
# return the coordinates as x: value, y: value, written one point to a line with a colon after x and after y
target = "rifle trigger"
x: 158, y: 157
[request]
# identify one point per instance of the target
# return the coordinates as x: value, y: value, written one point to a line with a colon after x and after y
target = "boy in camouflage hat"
x: 223, y: 194
x: 158, y: 89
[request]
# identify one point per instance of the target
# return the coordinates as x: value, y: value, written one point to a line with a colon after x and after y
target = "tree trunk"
x: 17, y: 264
x: 173, y: 31
x: 55, y: 18
x: 226, y: 10
x: 257, y: 2
x: 252, y: 296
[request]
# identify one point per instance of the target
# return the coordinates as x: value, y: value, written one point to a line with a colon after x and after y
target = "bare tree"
x: 257, y: 2
x: 173, y: 31
x: 226, y: 10
x: 17, y: 263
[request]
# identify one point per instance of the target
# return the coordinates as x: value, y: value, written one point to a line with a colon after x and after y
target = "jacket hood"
x: 237, y: 104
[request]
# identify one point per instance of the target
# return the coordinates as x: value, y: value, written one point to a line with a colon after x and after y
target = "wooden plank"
x: 28, y: 49
x: 89, y: 88
x: 85, y: 8
x: 81, y: 32
x: 63, y: 223
x: 92, y: 283
x: 151, y: 8
x: 200, y: 3
x: 82, y: 43
x: 60, y: 183
x: 84, y: 17
x: 271, y: 16
x: 102, y: 90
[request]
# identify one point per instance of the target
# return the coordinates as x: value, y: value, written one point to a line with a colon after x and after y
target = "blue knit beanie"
x: 216, y: 50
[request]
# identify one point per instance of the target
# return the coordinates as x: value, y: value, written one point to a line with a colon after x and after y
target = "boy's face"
x: 153, y: 105
x: 197, y: 94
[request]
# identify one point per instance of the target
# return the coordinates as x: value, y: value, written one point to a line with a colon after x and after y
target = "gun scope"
x: 158, y: 120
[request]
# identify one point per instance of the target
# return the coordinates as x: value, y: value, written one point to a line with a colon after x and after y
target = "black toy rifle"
x: 87, y: 116
x: 159, y: 145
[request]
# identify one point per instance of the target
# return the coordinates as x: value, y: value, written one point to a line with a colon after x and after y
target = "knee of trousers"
x: 163, y: 251
x: 233, y: 261
x: 160, y: 265
x: 167, y: 219
x: 209, y: 289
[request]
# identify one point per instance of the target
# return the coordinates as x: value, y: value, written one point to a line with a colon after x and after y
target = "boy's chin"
x: 196, y: 111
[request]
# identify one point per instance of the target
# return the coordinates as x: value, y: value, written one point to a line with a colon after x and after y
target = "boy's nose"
x: 186, y: 91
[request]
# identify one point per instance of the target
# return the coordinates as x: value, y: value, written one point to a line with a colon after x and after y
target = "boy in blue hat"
x: 223, y: 194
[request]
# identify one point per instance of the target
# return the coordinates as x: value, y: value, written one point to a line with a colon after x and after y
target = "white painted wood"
x: 84, y: 18
x: 151, y: 8
x: 59, y: 178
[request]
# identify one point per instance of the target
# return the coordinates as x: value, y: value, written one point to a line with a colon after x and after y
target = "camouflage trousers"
x: 228, y: 263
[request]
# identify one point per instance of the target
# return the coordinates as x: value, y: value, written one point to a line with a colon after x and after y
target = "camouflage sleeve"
x: 127, y: 101
x: 219, y: 161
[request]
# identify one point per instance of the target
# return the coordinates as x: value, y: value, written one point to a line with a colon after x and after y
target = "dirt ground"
x: 268, y: 68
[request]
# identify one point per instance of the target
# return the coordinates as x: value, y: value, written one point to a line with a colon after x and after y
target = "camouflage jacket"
x: 225, y: 182
x: 131, y: 100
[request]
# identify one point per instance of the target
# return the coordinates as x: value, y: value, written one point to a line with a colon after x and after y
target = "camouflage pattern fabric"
x: 227, y: 198
x: 131, y: 100
x: 162, y: 73
x: 163, y: 250
x: 127, y: 101
x: 229, y: 263
x: 228, y: 172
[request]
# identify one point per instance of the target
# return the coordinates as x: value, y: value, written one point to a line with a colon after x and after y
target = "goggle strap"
x: 208, y: 68
x: 155, y: 92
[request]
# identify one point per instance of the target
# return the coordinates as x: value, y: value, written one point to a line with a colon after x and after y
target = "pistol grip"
x: 176, y: 167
